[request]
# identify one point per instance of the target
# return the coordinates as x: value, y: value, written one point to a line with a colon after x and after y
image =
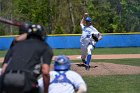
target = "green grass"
x: 131, y: 50
x: 113, y: 84
x: 2, y: 53
x: 133, y: 62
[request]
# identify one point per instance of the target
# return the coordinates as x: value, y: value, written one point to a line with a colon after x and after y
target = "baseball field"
x: 113, y: 70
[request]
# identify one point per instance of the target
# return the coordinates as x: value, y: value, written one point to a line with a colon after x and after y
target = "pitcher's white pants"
x: 86, y: 50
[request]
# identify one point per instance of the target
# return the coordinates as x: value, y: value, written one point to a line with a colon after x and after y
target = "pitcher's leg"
x: 83, y: 54
x: 89, y: 55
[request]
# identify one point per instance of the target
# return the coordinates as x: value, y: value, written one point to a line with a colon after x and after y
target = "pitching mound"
x: 101, y: 68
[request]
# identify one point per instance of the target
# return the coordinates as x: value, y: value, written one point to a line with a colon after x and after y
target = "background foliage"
x: 63, y: 16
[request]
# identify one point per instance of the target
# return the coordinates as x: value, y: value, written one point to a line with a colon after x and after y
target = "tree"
x: 63, y: 16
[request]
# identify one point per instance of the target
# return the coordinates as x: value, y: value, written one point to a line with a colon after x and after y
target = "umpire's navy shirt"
x: 26, y: 54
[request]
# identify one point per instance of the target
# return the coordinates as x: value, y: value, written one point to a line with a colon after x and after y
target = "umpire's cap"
x: 88, y: 19
x: 37, y: 30
x: 61, y: 63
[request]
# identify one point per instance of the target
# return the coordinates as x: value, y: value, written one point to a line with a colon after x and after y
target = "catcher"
x: 90, y: 36
x: 64, y: 80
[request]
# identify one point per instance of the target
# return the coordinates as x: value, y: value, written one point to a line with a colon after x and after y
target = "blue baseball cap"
x: 88, y: 19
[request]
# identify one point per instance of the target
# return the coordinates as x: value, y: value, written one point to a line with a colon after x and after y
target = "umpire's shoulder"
x: 45, y: 44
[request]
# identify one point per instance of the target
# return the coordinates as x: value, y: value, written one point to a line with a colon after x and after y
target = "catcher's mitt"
x: 95, y: 37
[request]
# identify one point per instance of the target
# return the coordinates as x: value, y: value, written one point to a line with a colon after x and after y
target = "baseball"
x: 86, y: 14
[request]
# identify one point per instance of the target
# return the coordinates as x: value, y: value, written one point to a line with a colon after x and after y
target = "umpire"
x: 26, y: 61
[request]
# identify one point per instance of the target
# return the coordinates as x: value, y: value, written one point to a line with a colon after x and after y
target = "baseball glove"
x: 95, y: 37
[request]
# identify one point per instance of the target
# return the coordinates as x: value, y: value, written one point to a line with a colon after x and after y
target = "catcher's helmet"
x: 62, y: 63
x: 88, y: 19
x: 37, y: 31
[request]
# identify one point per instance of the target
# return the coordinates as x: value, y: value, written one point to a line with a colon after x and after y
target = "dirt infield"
x: 101, y: 68
x: 107, y: 56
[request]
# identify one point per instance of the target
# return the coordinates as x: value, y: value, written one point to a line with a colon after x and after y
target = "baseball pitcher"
x: 90, y: 36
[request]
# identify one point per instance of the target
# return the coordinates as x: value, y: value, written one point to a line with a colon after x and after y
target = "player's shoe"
x: 87, y: 67
x: 84, y: 61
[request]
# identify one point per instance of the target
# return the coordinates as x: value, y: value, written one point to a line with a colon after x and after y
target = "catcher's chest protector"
x: 61, y: 78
